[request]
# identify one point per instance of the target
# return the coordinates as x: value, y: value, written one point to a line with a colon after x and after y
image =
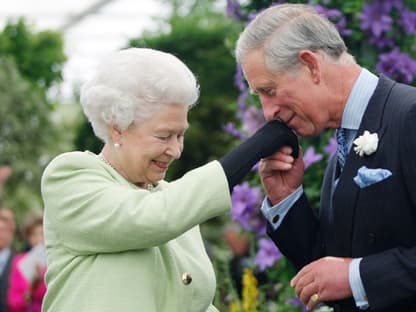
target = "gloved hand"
x: 264, y: 142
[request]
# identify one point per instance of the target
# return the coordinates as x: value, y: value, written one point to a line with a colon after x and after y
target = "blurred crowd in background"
x: 22, y: 256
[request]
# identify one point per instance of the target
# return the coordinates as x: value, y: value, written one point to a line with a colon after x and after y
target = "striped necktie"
x: 342, y: 149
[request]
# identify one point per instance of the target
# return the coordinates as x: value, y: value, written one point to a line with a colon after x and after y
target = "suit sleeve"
x: 297, y: 236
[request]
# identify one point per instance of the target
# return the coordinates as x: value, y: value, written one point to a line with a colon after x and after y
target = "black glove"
x: 267, y: 140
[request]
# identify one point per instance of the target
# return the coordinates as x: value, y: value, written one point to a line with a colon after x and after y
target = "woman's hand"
x: 38, y: 277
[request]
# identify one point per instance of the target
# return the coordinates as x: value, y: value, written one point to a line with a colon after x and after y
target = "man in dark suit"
x: 6, y: 256
x: 360, y: 252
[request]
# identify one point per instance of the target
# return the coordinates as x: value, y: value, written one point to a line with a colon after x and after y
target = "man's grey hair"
x: 285, y: 30
x: 132, y: 85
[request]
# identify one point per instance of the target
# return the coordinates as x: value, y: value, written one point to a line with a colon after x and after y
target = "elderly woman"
x: 119, y: 237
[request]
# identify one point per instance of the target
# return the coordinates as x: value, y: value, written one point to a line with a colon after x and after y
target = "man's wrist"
x: 275, y: 213
x: 356, y: 284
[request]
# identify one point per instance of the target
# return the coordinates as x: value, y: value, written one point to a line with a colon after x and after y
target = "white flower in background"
x: 366, y: 143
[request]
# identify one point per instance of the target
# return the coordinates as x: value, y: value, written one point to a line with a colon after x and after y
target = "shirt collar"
x: 358, y: 99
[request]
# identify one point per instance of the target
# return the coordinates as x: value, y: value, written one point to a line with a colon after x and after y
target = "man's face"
x: 7, y: 214
x: 295, y: 98
x: 6, y: 234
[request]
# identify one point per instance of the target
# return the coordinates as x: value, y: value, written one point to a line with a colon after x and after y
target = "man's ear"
x: 312, y: 62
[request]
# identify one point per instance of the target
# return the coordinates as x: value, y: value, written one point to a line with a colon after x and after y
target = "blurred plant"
x: 250, y: 296
x: 39, y: 56
x: 381, y: 36
x: 30, y: 64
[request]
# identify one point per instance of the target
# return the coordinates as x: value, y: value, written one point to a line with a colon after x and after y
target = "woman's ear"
x: 312, y: 62
x: 115, y: 133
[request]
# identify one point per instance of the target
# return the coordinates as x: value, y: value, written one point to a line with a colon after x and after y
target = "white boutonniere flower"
x: 366, y: 143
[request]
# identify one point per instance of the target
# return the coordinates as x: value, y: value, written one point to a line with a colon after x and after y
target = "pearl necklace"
x: 147, y: 186
x: 101, y: 156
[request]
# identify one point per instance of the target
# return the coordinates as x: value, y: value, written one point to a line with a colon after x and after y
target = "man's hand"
x: 325, y: 279
x: 281, y: 174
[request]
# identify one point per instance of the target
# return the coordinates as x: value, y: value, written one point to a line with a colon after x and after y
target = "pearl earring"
x: 117, y: 145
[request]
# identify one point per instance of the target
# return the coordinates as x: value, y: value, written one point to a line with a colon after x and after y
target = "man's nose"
x: 270, y: 110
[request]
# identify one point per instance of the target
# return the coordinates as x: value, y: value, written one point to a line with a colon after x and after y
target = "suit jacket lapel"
x: 346, y: 193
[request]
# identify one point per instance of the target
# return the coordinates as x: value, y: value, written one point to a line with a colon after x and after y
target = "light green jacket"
x: 113, y: 247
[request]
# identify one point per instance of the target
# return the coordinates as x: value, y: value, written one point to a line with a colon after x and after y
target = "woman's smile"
x: 161, y: 165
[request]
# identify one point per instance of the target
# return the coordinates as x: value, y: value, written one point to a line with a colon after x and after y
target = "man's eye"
x: 268, y: 92
x: 264, y: 91
x: 163, y: 138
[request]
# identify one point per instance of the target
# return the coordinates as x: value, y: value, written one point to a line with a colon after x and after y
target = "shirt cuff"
x: 356, y: 284
x: 275, y: 214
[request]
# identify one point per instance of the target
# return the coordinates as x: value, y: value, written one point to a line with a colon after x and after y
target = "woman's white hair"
x: 284, y: 30
x: 133, y: 84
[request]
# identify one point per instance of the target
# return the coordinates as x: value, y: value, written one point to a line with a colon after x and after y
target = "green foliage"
x: 30, y: 63
x: 39, y: 56
x: 85, y: 138
x: 24, y: 129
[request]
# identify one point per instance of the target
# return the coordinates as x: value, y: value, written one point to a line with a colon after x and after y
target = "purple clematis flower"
x: 375, y: 18
x: 241, y: 102
x: 397, y: 65
x: 230, y: 128
x: 408, y: 21
x: 310, y: 157
x: 267, y: 255
x: 297, y: 303
x: 331, y: 147
x: 233, y: 10
x: 336, y: 17
x: 382, y: 42
x: 389, y: 5
x: 239, y: 81
x: 245, y: 209
x: 253, y: 119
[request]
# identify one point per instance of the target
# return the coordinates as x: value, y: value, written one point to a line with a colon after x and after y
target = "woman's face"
x: 148, y: 148
x: 35, y: 236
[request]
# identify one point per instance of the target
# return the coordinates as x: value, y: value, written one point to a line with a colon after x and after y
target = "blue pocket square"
x: 366, y: 177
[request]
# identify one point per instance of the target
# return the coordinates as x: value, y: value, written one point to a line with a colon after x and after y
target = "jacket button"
x: 275, y: 218
x: 371, y: 238
x: 186, y: 278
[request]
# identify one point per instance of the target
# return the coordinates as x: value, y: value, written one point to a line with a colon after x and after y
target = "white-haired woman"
x: 119, y: 237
